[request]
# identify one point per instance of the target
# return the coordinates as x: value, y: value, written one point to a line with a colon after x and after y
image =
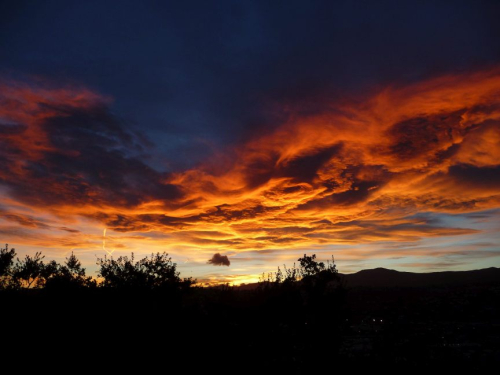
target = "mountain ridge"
x: 381, y: 277
x: 384, y: 277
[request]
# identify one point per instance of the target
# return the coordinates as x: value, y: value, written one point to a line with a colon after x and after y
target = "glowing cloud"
x: 354, y: 173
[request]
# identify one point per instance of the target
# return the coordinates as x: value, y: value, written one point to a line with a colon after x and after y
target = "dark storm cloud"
x: 219, y: 260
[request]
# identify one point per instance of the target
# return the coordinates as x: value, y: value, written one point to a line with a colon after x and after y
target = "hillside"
x: 382, y: 277
x: 387, y: 278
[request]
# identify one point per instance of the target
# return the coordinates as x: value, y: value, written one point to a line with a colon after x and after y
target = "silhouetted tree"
x: 6, y: 261
x: 32, y: 272
x: 309, y: 272
x: 157, y: 271
x: 70, y: 275
x: 317, y: 274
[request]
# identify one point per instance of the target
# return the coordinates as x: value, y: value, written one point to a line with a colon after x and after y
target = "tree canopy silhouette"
x: 32, y: 271
x: 6, y: 261
x: 156, y: 271
x: 309, y: 272
x: 70, y: 275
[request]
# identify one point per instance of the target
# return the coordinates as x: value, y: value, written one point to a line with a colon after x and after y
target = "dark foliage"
x: 309, y: 274
x: 157, y: 271
x: 32, y: 271
x: 70, y: 275
x: 6, y: 261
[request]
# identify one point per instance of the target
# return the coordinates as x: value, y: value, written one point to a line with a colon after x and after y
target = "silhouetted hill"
x: 382, y: 277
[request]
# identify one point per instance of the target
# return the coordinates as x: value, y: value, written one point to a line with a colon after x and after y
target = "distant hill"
x: 382, y: 277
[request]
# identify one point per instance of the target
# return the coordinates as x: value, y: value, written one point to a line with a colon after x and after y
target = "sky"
x: 239, y: 135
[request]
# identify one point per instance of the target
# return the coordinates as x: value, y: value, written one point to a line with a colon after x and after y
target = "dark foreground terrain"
x: 423, y: 320
x: 372, y: 318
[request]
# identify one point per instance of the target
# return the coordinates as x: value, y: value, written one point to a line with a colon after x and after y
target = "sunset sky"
x: 257, y: 130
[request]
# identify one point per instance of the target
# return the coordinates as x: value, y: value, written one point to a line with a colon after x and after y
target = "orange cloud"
x: 427, y: 147
x: 356, y: 172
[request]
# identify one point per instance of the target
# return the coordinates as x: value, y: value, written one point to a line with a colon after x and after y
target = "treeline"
x: 33, y: 272
x: 157, y: 271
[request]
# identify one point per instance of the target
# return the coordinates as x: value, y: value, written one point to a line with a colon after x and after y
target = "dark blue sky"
x: 197, y: 75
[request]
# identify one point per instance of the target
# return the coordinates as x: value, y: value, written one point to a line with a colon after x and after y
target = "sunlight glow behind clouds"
x: 387, y: 169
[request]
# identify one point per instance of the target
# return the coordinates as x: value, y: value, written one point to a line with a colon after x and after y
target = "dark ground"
x: 450, y: 324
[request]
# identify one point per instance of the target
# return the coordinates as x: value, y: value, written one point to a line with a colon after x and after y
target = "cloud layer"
x: 352, y: 172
